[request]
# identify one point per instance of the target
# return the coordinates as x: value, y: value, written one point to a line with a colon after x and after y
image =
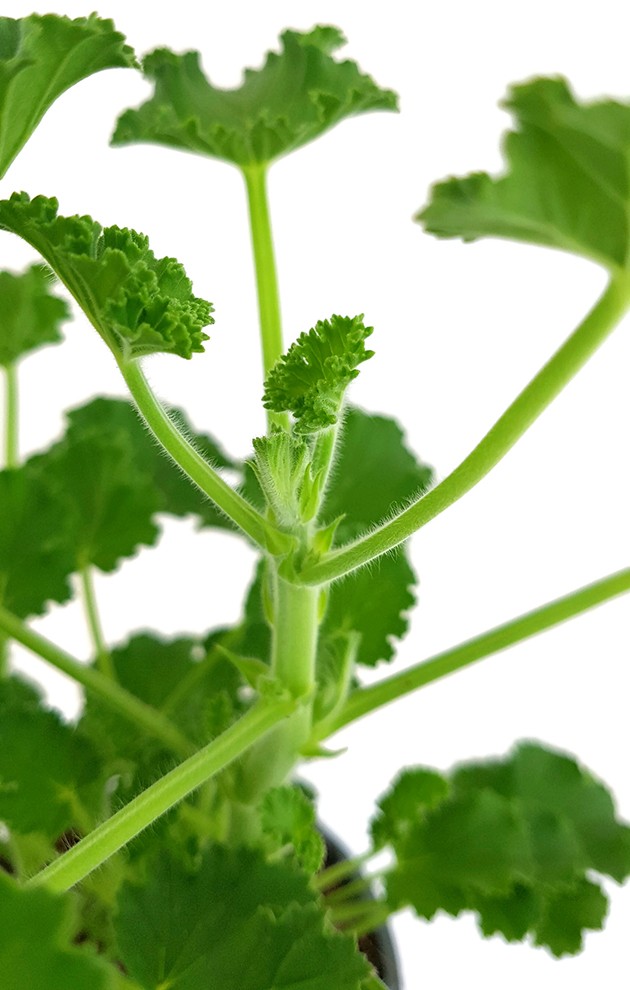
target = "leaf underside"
x: 567, y: 180
x: 298, y: 94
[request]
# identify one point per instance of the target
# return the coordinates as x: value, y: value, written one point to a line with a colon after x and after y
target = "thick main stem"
x: 195, y: 466
x: 121, y: 828
x: 514, y: 422
x: 294, y: 650
x: 266, y: 275
x: 120, y: 700
x: 367, y: 699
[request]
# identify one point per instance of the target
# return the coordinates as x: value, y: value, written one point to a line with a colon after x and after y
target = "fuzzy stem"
x: 102, y: 654
x: 235, y: 507
x: 514, y: 422
x: 365, y: 700
x: 109, y: 691
x: 266, y: 275
x: 97, y: 847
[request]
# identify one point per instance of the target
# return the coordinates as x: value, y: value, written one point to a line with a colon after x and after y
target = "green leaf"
x: 374, y: 472
x: 534, y: 826
x: 280, y: 466
x: 138, y: 303
x: 175, y: 493
x: 287, y: 817
x: 237, y: 923
x: 414, y: 792
x: 374, y: 603
x: 298, y: 94
x: 110, y: 503
x: 472, y: 844
x: 183, y: 677
x: 566, y: 183
x: 35, y: 558
x: 50, y: 779
x: 29, y: 313
x: 37, y: 929
x: 40, y: 58
x: 547, y: 783
x: 311, y: 378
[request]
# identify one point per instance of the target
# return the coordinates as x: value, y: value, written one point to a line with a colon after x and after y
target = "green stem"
x: 378, y: 917
x: 11, y: 436
x: 102, y: 654
x: 126, y: 704
x: 338, y: 872
x: 235, y: 507
x: 142, y: 811
x: 365, y: 700
x: 294, y: 649
x: 514, y: 422
x: 266, y: 275
x: 347, y: 891
x: 358, y: 911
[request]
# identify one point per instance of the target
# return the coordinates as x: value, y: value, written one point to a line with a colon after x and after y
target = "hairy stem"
x: 121, y: 828
x: 11, y: 432
x: 235, y: 507
x: 338, y: 872
x: 365, y: 700
x: 122, y: 701
x: 101, y: 652
x: 266, y: 275
x: 514, y: 422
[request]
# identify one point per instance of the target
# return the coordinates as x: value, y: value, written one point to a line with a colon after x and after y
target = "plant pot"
x: 378, y: 946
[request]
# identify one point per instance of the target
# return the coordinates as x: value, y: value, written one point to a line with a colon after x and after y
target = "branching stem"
x: 514, y: 422
x: 365, y: 700
x: 122, y: 701
x: 121, y: 828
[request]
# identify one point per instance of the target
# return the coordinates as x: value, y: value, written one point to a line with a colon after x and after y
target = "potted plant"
x: 166, y: 838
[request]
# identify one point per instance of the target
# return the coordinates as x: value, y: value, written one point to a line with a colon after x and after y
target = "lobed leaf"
x: 40, y: 58
x: 311, y: 378
x: 298, y: 94
x: 138, y: 303
x: 517, y: 841
x: 566, y: 185
x: 37, y: 931
x: 241, y: 924
x: 29, y: 313
x: 50, y: 779
x: 287, y: 818
x: 35, y: 553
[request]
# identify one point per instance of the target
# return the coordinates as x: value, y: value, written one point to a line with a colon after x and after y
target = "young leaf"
x: 298, y: 94
x: 242, y: 924
x: 46, y: 795
x: 40, y: 58
x: 414, y: 792
x: 566, y: 182
x: 138, y: 303
x: 37, y: 930
x: 29, y: 313
x: 35, y: 555
x: 173, y: 490
x: 287, y: 817
x: 109, y: 502
x: 311, y: 378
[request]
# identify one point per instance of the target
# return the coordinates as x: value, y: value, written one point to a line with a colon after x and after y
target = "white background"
x: 459, y: 330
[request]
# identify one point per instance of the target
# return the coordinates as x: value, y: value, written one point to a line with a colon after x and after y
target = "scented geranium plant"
x: 165, y: 839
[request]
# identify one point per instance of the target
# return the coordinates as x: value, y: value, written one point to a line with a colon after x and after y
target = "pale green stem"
x: 338, y: 872
x: 109, y: 691
x: 235, y: 507
x: 294, y: 650
x: 365, y: 700
x: 514, y: 422
x: 11, y: 435
x: 373, y: 920
x: 266, y: 275
x: 101, y: 652
x: 97, y: 847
